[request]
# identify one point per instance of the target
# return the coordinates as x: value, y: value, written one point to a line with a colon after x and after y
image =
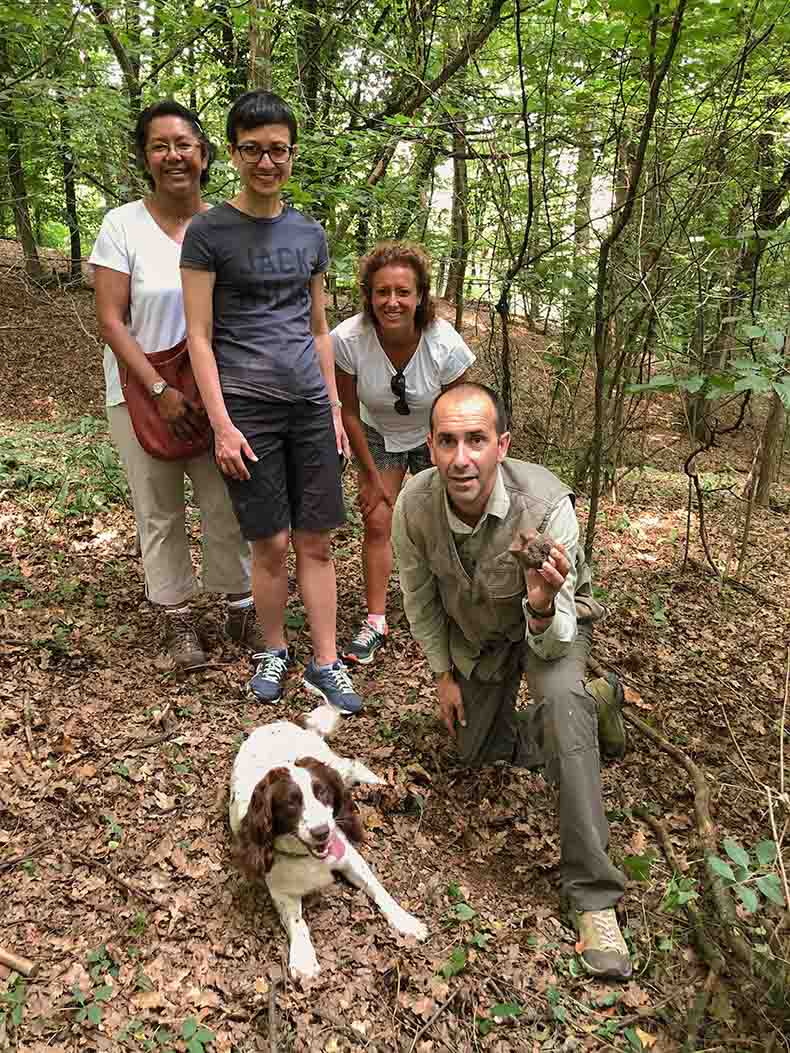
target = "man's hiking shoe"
x: 608, y: 694
x: 241, y: 625
x: 334, y: 685
x: 182, y: 642
x: 269, y: 677
x: 601, y: 947
x: 362, y: 649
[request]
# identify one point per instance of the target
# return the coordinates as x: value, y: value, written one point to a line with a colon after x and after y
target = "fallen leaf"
x: 645, y: 1038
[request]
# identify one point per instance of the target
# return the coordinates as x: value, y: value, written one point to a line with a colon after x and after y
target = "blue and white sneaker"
x: 269, y: 677
x: 333, y: 684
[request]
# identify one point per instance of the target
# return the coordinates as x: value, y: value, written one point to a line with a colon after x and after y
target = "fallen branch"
x: 137, y: 892
x: 432, y: 1020
x: 774, y: 975
x: 708, y: 950
x: 17, y: 963
x: 698, y: 1010
x: 273, y: 1016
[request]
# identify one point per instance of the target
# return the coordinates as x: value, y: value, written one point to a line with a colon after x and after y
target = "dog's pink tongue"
x: 336, y: 847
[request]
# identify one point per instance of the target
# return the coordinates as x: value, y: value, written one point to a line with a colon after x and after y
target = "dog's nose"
x: 320, y: 833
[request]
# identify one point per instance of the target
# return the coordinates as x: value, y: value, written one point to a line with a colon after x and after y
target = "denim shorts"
x: 296, y: 480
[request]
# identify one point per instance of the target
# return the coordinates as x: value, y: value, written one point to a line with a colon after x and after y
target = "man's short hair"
x: 254, y: 109
x: 493, y: 396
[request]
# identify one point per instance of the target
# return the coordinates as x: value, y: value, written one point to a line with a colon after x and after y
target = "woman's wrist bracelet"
x: 335, y: 403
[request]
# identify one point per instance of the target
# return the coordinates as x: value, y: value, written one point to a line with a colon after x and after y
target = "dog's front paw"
x: 407, y: 925
x: 302, y: 963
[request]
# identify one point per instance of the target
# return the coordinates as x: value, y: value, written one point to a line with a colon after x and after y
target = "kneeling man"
x: 483, y: 618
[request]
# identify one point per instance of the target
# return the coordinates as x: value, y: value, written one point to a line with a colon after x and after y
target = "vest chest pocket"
x: 501, y: 578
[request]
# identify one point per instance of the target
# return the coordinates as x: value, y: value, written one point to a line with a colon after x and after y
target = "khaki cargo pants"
x: 558, y: 731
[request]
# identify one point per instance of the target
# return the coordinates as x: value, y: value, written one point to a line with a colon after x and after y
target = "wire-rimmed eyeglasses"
x: 398, y: 389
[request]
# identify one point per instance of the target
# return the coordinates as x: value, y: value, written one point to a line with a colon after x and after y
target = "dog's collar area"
x: 336, y: 849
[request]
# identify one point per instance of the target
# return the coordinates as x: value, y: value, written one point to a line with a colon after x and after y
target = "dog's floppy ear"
x: 344, y: 809
x: 255, y: 844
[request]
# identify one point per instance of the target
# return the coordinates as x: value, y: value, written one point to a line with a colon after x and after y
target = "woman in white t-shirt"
x: 140, y: 310
x: 392, y: 360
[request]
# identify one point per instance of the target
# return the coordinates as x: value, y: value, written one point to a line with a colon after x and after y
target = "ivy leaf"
x: 455, y: 964
x: 771, y: 888
x: 736, y: 853
x: 765, y: 852
x: 748, y: 898
x: 463, y: 912
x: 638, y: 867
x: 718, y: 866
x: 506, y: 1010
x: 189, y: 1027
x: 94, y: 1014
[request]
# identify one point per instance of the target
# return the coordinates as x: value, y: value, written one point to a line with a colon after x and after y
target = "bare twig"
x: 782, y: 728
x: 28, y: 732
x: 273, y: 1015
x: 435, y: 1016
x: 737, y: 745
x: 138, y: 893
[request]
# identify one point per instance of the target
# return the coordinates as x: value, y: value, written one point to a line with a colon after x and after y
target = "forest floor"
x: 114, y: 848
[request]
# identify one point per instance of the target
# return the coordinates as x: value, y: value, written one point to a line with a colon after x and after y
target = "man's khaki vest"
x: 485, y: 611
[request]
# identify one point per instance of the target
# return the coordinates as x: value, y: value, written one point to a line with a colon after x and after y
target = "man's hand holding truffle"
x: 546, y: 565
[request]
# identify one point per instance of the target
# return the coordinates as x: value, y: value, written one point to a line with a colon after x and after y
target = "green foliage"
x: 73, y: 462
x: 195, y: 1035
x: 680, y: 891
x: 748, y: 878
x: 461, y: 913
x: 12, y: 1004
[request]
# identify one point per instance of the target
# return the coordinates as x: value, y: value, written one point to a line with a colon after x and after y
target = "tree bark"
x: 16, y: 175
x: 459, y: 247
x: 260, y: 73
x: 773, y: 437
x: 70, y: 192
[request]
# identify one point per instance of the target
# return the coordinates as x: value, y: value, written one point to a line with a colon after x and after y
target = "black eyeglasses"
x: 398, y: 389
x: 280, y: 154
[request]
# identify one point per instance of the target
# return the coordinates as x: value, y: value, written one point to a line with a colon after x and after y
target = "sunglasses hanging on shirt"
x: 398, y: 388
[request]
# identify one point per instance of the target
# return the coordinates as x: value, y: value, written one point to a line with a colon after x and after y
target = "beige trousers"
x: 158, y: 496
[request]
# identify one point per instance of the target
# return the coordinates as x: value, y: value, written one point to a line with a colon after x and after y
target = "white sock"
x: 379, y: 622
x: 237, y: 605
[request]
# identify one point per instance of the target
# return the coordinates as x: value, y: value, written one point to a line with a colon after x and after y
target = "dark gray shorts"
x: 296, y: 480
x: 415, y: 460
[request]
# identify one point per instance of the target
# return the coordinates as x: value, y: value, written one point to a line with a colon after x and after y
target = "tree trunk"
x: 16, y: 175
x: 459, y: 247
x: 416, y: 206
x: 772, y: 440
x: 308, y: 46
x: 70, y: 191
x: 260, y: 74
x: 580, y: 292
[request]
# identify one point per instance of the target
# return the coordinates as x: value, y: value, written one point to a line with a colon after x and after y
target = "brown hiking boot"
x: 241, y: 625
x: 601, y: 947
x: 608, y: 694
x: 182, y: 641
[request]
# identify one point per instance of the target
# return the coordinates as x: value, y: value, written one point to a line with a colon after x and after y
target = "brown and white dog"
x: 294, y: 821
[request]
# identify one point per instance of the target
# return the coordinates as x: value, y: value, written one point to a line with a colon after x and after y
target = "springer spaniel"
x: 294, y: 821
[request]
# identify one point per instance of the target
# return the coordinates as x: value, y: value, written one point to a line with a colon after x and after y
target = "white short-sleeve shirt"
x: 441, y: 357
x: 132, y: 242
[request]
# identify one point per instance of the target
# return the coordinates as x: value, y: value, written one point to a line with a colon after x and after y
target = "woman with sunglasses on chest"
x: 392, y: 360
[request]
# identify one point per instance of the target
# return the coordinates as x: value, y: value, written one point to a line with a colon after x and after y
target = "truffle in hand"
x: 531, y: 549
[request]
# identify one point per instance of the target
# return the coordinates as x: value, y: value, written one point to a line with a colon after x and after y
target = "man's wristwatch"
x: 541, y: 616
x: 158, y: 389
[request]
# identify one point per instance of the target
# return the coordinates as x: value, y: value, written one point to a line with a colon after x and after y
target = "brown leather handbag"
x: 153, y: 433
